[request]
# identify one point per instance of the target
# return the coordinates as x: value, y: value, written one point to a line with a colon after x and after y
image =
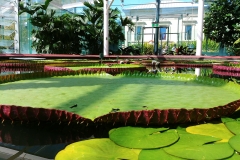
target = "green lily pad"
x: 233, y: 126
x: 208, y: 151
x: 227, y: 119
x: 144, y: 138
x: 235, y: 142
x: 153, y: 154
x: 234, y: 157
x: 215, y: 130
x: 187, y: 139
x: 99, y: 149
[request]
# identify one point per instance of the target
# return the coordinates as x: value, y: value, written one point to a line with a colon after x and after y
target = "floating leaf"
x: 227, y: 119
x: 233, y: 126
x: 97, y: 149
x: 208, y: 151
x: 187, y: 139
x: 234, y: 157
x: 145, y: 138
x: 235, y: 142
x: 215, y: 130
x: 154, y: 154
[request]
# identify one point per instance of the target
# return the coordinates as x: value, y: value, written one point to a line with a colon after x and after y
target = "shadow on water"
x: 39, y: 141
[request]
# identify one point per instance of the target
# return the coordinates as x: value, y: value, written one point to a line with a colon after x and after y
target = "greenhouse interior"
x: 149, y: 85
x: 177, y: 24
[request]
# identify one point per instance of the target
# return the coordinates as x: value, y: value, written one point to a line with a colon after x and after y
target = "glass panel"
x: 6, y: 43
x: 7, y: 50
x: 188, y: 32
x: 138, y: 33
x: 163, y: 32
x: 6, y: 22
x: 6, y: 32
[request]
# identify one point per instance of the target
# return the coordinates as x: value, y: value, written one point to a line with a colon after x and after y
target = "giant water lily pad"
x: 235, y: 142
x: 208, y: 151
x: 233, y: 126
x: 154, y: 154
x: 144, y: 138
x: 96, y: 95
x: 97, y: 149
x: 209, y: 129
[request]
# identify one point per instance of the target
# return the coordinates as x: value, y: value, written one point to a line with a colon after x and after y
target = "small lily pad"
x: 233, y: 126
x: 187, y: 139
x: 143, y: 138
x: 215, y: 130
x: 97, y: 149
x: 208, y: 151
x: 153, y: 154
x: 235, y: 142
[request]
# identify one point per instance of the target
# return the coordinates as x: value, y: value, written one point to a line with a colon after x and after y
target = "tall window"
x: 188, y: 32
x: 138, y: 33
x: 162, y: 32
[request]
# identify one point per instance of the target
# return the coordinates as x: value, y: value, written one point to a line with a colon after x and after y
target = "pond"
x: 45, y: 140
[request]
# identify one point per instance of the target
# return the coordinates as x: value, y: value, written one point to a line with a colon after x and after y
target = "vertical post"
x: 156, y: 29
x: 16, y: 38
x: 200, y: 27
x: 142, y: 37
x: 105, y: 28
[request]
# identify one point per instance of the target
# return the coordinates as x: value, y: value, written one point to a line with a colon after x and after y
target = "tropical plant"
x: 69, y: 33
x: 54, y: 34
x: 222, y: 28
x: 93, y: 14
x: 236, y: 44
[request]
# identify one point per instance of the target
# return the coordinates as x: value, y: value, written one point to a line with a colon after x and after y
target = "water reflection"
x: 177, y: 69
x: 9, y: 70
x: 33, y: 141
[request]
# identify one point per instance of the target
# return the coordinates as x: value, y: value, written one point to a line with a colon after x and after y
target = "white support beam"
x: 106, y: 8
x: 200, y: 28
x: 16, y: 38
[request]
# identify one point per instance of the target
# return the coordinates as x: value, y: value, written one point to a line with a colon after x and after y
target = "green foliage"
x: 148, y: 48
x: 209, y: 45
x: 236, y: 47
x: 70, y: 33
x: 139, y: 138
x: 222, y: 28
x: 96, y: 149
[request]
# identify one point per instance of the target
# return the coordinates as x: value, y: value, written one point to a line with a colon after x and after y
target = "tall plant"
x: 222, y: 28
x: 53, y: 34
x: 69, y: 33
x: 93, y: 14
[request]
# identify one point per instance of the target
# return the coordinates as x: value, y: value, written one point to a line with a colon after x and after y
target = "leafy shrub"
x: 236, y: 47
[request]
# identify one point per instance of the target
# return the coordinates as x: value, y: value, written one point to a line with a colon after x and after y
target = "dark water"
x: 40, y: 141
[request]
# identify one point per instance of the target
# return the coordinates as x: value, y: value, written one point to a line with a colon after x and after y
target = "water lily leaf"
x: 233, y: 126
x: 215, y: 130
x: 187, y: 139
x: 144, y: 138
x: 208, y: 151
x: 153, y: 154
x: 227, y: 119
x: 100, y: 149
x: 235, y: 142
x: 234, y: 157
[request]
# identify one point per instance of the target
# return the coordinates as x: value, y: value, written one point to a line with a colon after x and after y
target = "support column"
x: 105, y: 28
x: 156, y: 29
x: 200, y: 28
x: 16, y: 37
